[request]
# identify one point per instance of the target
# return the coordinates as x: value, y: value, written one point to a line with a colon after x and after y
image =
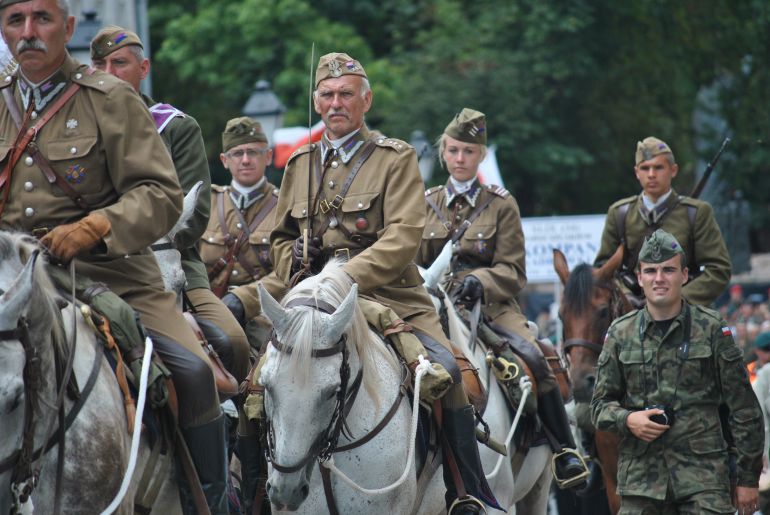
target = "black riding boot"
x: 569, y: 468
x: 460, y: 430
x: 208, y: 449
x: 250, y: 453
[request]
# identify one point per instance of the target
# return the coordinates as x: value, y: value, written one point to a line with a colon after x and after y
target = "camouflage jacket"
x: 692, y: 455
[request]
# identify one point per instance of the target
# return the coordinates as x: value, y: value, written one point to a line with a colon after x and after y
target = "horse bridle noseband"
x: 581, y: 342
x: 326, y: 443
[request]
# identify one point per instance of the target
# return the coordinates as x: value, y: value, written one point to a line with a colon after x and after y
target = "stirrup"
x: 469, y: 501
x: 569, y: 482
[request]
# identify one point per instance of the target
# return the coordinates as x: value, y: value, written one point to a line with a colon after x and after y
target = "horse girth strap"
x: 27, y: 143
x: 366, y: 152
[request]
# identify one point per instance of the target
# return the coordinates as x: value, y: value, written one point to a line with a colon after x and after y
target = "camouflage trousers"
x: 708, y: 501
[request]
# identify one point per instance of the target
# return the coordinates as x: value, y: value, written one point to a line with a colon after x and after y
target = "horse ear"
x: 272, y: 309
x: 12, y: 302
x: 433, y: 274
x: 608, y: 269
x: 560, y: 265
x: 343, y: 314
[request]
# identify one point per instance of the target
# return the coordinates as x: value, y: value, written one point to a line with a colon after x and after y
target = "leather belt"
x: 340, y: 253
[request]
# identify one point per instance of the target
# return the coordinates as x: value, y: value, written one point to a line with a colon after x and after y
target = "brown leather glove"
x: 66, y: 241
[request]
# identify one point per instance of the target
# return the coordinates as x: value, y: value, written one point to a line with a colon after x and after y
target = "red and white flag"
x: 288, y: 139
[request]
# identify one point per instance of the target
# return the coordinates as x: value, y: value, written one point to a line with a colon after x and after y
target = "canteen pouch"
x: 124, y: 326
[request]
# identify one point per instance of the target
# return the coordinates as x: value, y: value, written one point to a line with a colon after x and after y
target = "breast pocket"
x: 359, y: 213
x: 300, y: 212
x: 77, y: 161
x: 480, y: 240
x: 696, y: 368
x: 260, y: 244
x: 634, y: 368
x: 212, y: 247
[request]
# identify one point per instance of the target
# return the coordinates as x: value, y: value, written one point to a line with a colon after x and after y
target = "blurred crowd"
x: 748, y: 316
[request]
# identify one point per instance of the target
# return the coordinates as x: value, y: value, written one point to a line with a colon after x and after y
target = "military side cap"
x: 336, y: 65
x: 469, y: 126
x: 762, y: 341
x: 659, y: 247
x: 242, y: 130
x: 649, y: 148
x: 111, y: 38
x: 6, y: 3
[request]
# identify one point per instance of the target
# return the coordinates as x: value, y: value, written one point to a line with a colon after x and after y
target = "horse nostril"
x: 304, y: 491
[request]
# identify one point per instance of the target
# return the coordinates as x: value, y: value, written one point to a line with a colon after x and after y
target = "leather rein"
x: 615, y: 300
x: 326, y: 443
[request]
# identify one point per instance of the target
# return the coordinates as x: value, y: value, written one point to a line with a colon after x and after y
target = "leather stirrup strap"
x: 199, y: 499
x: 451, y: 461
x: 328, y: 492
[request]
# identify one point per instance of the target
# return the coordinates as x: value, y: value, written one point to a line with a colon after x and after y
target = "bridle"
x: 326, y: 443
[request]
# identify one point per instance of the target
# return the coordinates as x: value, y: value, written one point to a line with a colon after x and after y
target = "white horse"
x: 527, y: 488
x: 325, y: 370
x: 34, y: 328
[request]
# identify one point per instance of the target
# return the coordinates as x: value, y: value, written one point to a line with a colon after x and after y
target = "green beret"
x: 242, y: 130
x: 111, y: 38
x: 649, y: 148
x: 335, y: 65
x: 762, y: 341
x: 469, y: 126
x: 659, y: 247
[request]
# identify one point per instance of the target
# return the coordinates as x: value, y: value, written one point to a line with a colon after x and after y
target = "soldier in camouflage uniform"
x: 662, y: 376
x: 658, y: 206
x: 488, y: 266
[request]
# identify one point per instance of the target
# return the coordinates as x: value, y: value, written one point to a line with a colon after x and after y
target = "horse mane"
x: 42, y: 307
x: 331, y: 286
x: 579, y: 289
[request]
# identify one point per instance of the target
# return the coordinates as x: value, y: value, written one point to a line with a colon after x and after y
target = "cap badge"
x: 655, y: 250
x: 72, y: 123
x: 351, y: 65
x: 334, y: 69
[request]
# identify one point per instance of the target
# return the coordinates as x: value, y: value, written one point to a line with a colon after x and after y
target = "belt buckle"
x: 324, y: 206
x: 39, y: 232
x: 344, y: 253
x: 337, y: 202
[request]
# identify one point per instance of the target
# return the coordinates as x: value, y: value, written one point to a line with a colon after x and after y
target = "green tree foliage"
x: 568, y: 87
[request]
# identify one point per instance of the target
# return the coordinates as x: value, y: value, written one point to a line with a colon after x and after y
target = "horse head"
x: 168, y: 257
x: 591, y: 301
x: 308, y: 377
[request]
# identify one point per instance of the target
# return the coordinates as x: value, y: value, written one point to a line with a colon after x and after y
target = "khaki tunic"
x: 126, y: 175
x: 691, y: 456
x: 702, y: 241
x: 256, y: 253
x: 388, y: 194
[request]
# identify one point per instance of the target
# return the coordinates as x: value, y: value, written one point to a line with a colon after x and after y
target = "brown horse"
x: 591, y: 301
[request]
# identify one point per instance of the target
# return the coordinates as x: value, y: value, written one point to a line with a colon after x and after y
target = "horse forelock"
x: 579, y: 289
x: 304, y: 325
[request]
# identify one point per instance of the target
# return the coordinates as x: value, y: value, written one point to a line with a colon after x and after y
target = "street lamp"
x: 426, y: 154
x: 265, y: 107
x: 79, y: 45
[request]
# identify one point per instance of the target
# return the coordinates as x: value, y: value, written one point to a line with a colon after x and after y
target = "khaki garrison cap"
x: 469, y: 126
x: 242, y: 130
x: 6, y: 3
x: 659, y: 247
x: 649, y: 148
x: 111, y: 38
x: 335, y: 65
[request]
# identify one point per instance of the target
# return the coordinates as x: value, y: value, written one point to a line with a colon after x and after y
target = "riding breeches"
x: 512, y: 326
x: 233, y: 347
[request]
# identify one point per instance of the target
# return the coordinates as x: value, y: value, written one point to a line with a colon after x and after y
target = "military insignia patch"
x: 75, y: 174
x: 726, y: 331
x: 72, y: 123
x: 481, y: 246
x: 351, y: 66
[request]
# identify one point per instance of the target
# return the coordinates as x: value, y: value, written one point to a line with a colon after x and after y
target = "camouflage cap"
x: 469, y: 126
x: 660, y: 246
x: 335, y: 65
x: 111, y: 38
x: 650, y: 147
x: 242, y: 130
x: 762, y: 341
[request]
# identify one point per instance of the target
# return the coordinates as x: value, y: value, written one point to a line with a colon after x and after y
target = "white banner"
x: 578, y: 237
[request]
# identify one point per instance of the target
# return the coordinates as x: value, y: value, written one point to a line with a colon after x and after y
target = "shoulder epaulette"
x: 96, y: 79
x: 711, y: 313
x: 434, y: 189
x: 623, y: 318
x: 689, y: 201
x: 304, y: 149
x: 218, y: 188
x: 6, y: 80
x: 623, y: 201
x: 396, y: 144
x: 498, y: 190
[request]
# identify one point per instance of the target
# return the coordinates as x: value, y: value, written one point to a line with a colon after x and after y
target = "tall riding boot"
x: 250, y: 453
x: 459, y: 428
x: 569, y: 468
x: 208, y: 450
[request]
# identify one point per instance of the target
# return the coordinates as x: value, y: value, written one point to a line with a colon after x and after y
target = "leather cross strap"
x: 26, y: 143
x: 459, y: 231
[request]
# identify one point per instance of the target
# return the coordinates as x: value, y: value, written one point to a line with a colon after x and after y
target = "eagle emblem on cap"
x: 655, y: 249
x: 334, y: 68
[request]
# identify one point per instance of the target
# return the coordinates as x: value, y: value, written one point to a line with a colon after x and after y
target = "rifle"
x: 707, y: 173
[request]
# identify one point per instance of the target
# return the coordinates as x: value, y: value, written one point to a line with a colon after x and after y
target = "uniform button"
x: 275, y: 191
x: 29, y: 212
x: 360, y: 205
x: 33, y: 115
x: 239, y: 225
x: 331, y: 184
x: 101, y: 83
x: 381, y: 140
x: 304, y: 211
x: 211, y: 238
x: 28, y: 160
x: 335, y: 164
x: 399, y: 146
x: 403, y: 281
x: 73, y: 150
x: 333, y: 223
x: 235, y: 272
x: 78, y: 75
x: 8, y: 79
x: 457, y: 217
x: 480, y: 234
x: 264, y: 240
x: 28, y: 186
x: 432, y: 234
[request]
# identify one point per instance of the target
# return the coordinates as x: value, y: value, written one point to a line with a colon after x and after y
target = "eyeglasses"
x: 250, y: 152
